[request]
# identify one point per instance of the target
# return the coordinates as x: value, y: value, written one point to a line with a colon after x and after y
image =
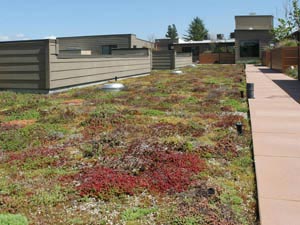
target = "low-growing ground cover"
x: 165, y: 151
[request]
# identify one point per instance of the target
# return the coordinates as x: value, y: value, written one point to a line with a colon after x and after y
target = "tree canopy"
x: 172, y: 32
x: 289, y: 24
x: 196, y: 31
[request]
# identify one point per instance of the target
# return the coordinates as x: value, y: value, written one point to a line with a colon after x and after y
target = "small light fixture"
x: 242, y: 94
x: 239, y: 128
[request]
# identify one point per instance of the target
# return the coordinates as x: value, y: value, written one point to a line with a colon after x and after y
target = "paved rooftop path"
x: 275, y: 119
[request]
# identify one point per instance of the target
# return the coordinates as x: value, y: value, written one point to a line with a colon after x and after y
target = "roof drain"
x: 113, y: 86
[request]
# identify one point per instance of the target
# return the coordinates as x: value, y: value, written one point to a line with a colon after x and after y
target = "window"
x: 106, y: 49
x: 134, y: 46
x: 249, y: 49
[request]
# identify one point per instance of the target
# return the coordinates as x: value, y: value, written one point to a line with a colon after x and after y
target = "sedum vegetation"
x: 165, y: 151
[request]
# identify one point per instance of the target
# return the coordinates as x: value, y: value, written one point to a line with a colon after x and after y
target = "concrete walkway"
x: 275, y: 119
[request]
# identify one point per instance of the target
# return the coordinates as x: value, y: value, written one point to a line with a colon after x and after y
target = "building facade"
x: 195, y: 47
x: 252, y: 35
x: 100, y: 44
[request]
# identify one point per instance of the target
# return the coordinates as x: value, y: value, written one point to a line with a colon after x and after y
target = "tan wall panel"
x: 20, y: 76
x: 20, y: 68
x: 95, y: 78
x: 92, y: 71
x: 21, y: 59
x: 99, y: 64
x: 183, y: 60
x: 66, y: 72
x: 13, y: 85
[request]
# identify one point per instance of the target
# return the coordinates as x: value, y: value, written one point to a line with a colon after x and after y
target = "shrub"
x: 287, y: 43
x: 11, y: 219
x: 292, y: 72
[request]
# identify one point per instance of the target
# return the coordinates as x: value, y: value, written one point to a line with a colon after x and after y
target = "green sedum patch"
x: 11, y: 219
x: 165, y: 151
x: 136, y: 213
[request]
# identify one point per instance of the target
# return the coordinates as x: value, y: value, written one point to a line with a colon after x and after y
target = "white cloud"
x: 20, y: 35
x: 4, y: 38
x: 15, y: 37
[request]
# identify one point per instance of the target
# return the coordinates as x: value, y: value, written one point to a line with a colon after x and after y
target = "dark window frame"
x: 107, y: 49
x: 249, y: 49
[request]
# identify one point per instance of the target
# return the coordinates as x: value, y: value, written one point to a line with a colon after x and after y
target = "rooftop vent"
x: 113, y: 87
x: 177, y: 72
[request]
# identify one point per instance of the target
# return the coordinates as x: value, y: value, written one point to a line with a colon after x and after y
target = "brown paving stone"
x: 272, y: 144
x: 275, y: 119
x: 278, y: 177
x: 275, y: 125
x: 279, y: 212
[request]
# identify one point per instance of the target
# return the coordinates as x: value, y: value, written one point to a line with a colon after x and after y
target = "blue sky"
x: 34, y: 19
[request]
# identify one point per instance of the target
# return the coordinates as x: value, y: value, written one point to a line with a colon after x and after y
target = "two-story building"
x: 252, y: 35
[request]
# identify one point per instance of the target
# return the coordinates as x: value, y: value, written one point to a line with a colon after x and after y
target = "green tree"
x: 172, y: 32
x: 295, y: 15
x: 196, y: 31
x: 283, y: 30
x: 290, y: 23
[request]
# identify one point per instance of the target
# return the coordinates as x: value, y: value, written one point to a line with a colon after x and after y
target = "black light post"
x: 242, y: 94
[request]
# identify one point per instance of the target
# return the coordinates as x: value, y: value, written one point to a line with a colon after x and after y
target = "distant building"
x: 165, y: 44
x: 195, y: 47
x: 252, y: 35
x: 199, y: 47
x: 100, y: 44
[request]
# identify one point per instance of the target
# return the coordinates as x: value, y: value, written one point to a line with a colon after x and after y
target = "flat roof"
x: 205, y: 42
x: 103, y: 35
x: 254, y: 16
x: 99, y: 35
x: 27, y: 41
x: 86, y: 36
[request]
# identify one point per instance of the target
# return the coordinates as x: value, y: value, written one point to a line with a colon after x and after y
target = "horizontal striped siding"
x: 94, y: 43
x: 66, y: 72
x: 183, y: 60
x: 283, y: 58
x: 163, y: 60
x: 22, y: 65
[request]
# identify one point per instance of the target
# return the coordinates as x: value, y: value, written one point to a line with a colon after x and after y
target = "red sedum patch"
x: 166, y: 172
